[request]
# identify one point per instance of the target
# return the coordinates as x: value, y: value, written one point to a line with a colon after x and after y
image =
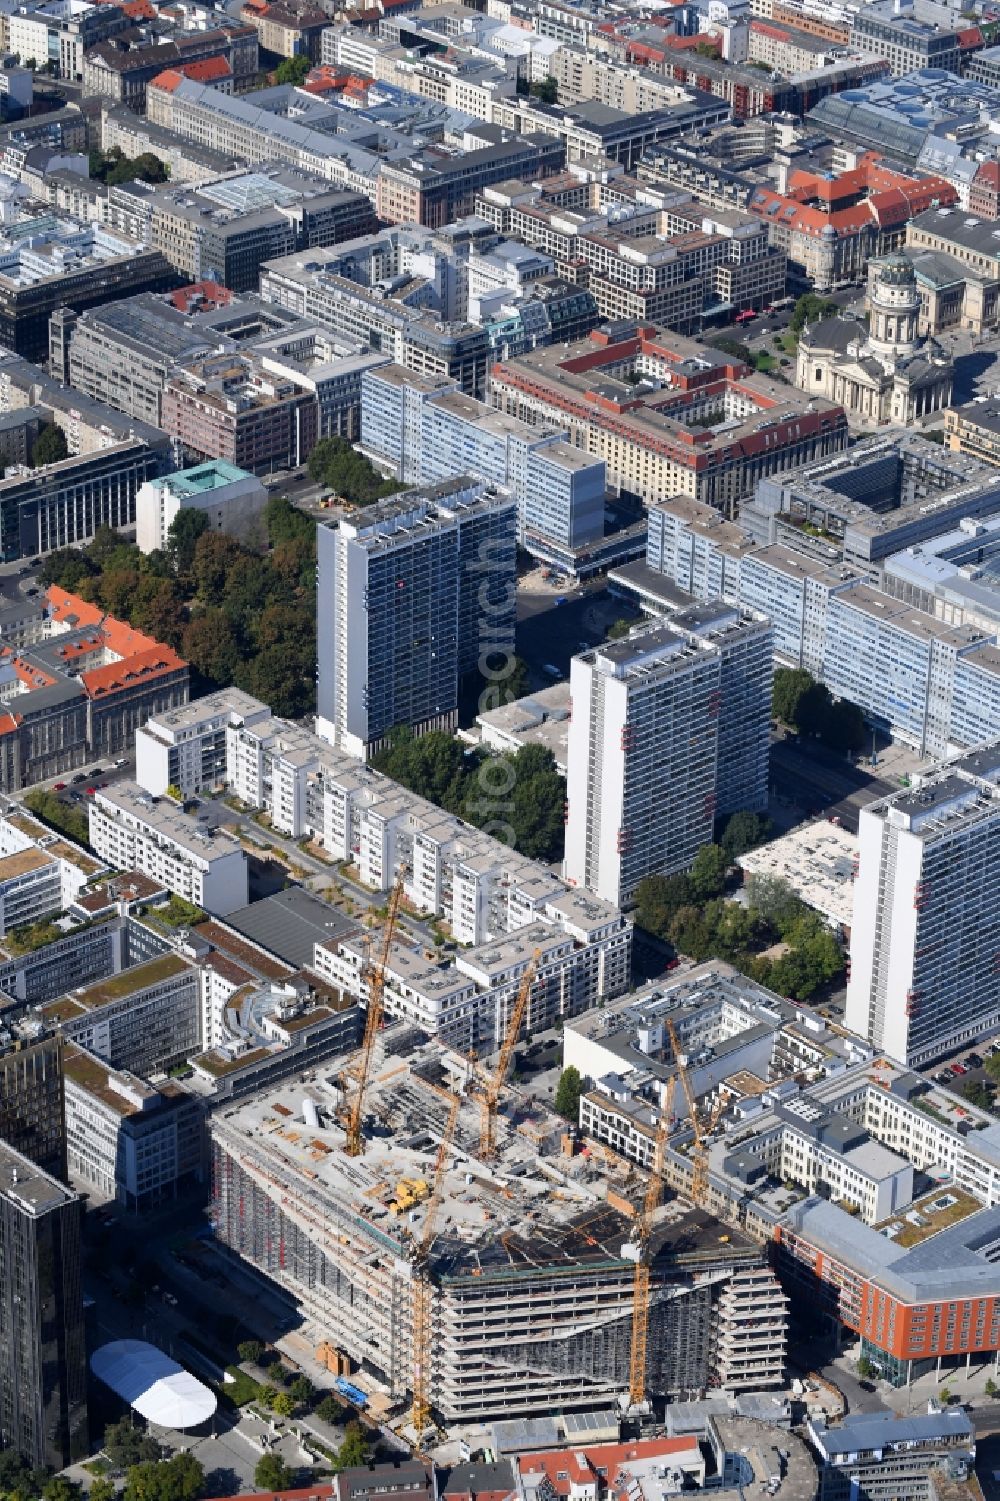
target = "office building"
x: 596, y: 391
x: 643, y: 757
x: 906, y: 40
x: 133, y: 831
x: 32, y: 1119
x: 230, y: 406
x: 121, y: 74
x: 893, y: 1459
x: 398, y: 609
x: 43, y: 1356
x: 125, y: 353
x: 297, y: 1218
x: 223, y: 230
x: 815, y: 220
x: 975, y: 429
x: 79, y: 692
x: 129, y: 1142
x: 146, y: 1019
x: 877, y: 1187
x: 924, y: 980
x: 232, y: 500
x: 428, y: 431
x: 57, y: 263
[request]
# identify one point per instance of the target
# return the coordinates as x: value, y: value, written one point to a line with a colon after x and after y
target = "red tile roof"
x: 140, y: 667
x: 598, y: 1464
x: 208, y: 70
x: 167, y: 81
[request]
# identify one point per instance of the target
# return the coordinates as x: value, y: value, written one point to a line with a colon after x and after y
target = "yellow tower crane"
x: 490, y: 1097
x: 699, y: 1193
x: 373, y: 1020
x: 422, y: 1287
x: 641, y: 1280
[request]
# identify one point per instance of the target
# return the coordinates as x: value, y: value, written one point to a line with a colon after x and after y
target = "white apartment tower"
x: 642, y: 760
x: 925, y: 940
x: 409, y: 596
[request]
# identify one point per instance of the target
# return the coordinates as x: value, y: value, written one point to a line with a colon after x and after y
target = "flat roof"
x: 31, y: 1190
x: 290, y: 923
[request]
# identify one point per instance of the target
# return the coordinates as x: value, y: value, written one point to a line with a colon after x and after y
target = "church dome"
x: 897, y: 271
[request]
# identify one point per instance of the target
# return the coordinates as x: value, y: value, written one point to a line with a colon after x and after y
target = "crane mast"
x: 490, y: 1096
x: 422, y: 1287
x: 373, y: 1020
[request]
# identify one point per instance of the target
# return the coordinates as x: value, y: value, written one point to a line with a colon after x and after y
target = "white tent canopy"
x: 156, y: 1387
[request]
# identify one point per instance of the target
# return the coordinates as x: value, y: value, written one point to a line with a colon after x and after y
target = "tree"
x: 272, y: 1474
x: 865, y: 1368
x: 619, y: 629
x: 214, y: 555
x: 18, y: 1481
x: 658, y: 898
x: 157, y: 612
x: 126, y: 1446
x: 335, y: 463
x: 301, y: 1390
x: 50, y: 446
x: 102, y: 1489
x: 292, y: 70
x: 329, y: 1410
x: 690, y: 933
x: 790, y: 686
x: 545, y: 89
x: 353, y: 1452
x: 945, y: 1395
x: 736, y: 349
x: 810, y: 309
x: 185, y: 529
x: 568, y: 1092
x: 707, y: 876
x: 283, y: 1404
x: 250, y: 1350
x: 59, y: 1488
x: 991, y: 1387
x: 744, y: 831
x: 844, y: 728
x: 538, y: 795
x: 978, y: 1093
x: 209, y: 644
x: 181, y: 1478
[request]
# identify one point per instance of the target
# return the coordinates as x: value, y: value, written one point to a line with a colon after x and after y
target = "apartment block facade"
x: 399, y: 614
x: 643, y: 754
x: 924, y: 978
x: 428, y: 430
x: 133, y: 831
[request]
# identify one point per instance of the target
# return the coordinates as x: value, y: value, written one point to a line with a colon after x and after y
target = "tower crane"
x: 641, y: 1279
x: 699, y: 1192
x: 699, y: 1148
x: 490, y: 1097
x: 422, y: 1288
x: 373, y: 1020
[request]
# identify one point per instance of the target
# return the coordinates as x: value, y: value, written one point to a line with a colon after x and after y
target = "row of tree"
x: 524, y: 790
x: 809, y: 708
x: 237, y: 616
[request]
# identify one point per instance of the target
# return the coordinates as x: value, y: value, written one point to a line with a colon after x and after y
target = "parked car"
x: 58, y: 786
x: 81, y: 776
x: 974, y: 1060
x: 958, y: 1069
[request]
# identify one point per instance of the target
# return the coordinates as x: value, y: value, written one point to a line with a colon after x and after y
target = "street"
x: 819, y: 782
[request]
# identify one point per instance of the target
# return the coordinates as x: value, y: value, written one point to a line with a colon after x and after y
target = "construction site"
x: 469, y: 1281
